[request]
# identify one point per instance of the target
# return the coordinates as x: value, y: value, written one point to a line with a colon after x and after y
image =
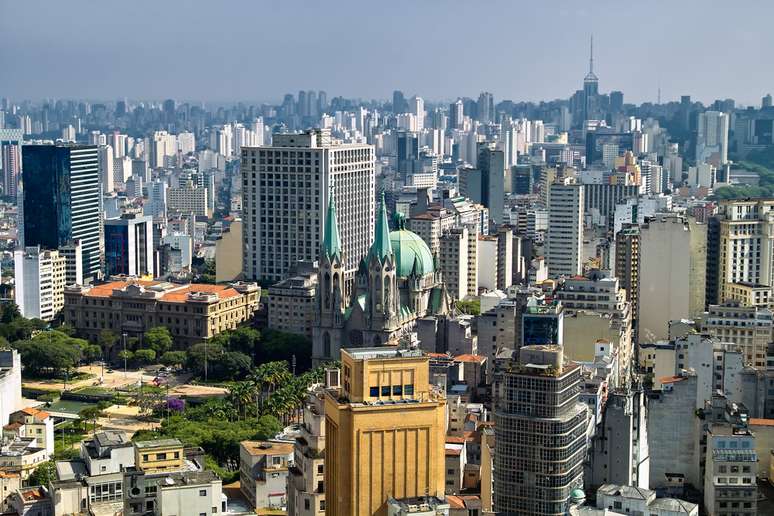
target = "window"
x: 386, y: 390
x: 408, y: 389
x: 202, y: 492
x: 397, y: 390
x: 374, y: 392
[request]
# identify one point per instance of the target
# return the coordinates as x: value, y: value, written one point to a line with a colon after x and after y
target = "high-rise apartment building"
x: 189, y: 199
x: 564, y: 249
x: 453, y: 260
x: 712, y: 138
x: 749, y: 328
x: 627, y: 267
x: 10, y: 159
x: 672, y: 270
x: 129, y: 246
x: 306, y: 481
x: 384, y: 432
x: 62, y: 182
x: 40, y: 282
x: 286, y: 188
x: 540, y: 433
x: 740, y: 247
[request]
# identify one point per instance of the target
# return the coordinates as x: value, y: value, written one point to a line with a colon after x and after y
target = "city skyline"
x: 442, y: 60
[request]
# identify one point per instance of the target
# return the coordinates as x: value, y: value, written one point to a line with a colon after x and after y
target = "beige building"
x: 677, y: 291
x: 306, y: 482
x: 158, y: 456
x: 740, y: 247
x: 750, y: 294
x: 263, y: 472
x: 228, y: 253
x: 748, y: 327
x: 384, y: 432
x: 657, y: 361
x: 292, y: 307
x: 453, y: 260
x: 192, y: 312
x: 188, y: 199
x: 431, y: 225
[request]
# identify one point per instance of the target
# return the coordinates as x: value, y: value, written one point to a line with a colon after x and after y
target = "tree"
x: 50, y: 353
x: 195, y: 357
x: 107, y: 339
x: 231, y: 365
x: 9, y: 312
x: 244, y: 340
x: 173, y: 358
x: 145, y: 356
x: 126, y: 355
x: 471, y: 307
x: 92, y: 414
x: 43, y: 474
x: 158, y: 339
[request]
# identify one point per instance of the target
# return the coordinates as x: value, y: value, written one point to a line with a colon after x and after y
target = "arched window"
x: 326, y: 344
x: 327, y: 290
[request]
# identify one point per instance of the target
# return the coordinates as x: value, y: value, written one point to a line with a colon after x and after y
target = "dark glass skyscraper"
x: 60, y: 201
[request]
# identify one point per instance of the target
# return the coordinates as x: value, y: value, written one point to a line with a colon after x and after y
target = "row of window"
x: 396, y: 390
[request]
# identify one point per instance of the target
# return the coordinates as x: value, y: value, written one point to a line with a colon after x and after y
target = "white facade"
x: 285, y: 194
x: 106, y: 168
x: 712, y: 138
x: 564, y: 249
x: 40, y: 281
x: 453, y: 260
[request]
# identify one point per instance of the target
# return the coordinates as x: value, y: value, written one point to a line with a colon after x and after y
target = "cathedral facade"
x: 397, y: 283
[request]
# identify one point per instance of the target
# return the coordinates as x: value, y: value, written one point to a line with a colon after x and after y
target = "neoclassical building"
x: 397, y: 283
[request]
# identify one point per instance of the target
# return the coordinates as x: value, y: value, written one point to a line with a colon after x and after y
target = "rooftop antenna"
x: 591, y: 56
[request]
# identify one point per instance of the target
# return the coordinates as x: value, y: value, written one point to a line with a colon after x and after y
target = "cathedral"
x: 397, y: 283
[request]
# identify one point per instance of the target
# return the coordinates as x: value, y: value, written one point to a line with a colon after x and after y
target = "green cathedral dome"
x: 409, y: 248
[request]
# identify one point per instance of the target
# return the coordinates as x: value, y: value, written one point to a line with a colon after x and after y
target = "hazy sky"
x: 257, y: 50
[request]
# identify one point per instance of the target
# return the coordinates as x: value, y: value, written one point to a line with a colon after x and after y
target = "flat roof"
x: 160, y: 443
x: 267, y: 447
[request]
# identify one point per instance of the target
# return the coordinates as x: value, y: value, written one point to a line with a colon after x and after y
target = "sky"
x: 256, y: 50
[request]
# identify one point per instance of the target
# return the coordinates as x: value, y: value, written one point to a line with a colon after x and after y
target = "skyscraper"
x: 564, y: 246
x: 712, y: 138
x: 286, y: 190
x: 384, y: 432
x: 456, y: 114
x: 485, y: 107
x: 590, y: 89
x: 491, y: 162
x: 62, y: 182
x: 10, y: 159
x: 540, y: 433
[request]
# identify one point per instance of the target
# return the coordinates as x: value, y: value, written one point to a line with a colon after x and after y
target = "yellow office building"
x: 385, y: 432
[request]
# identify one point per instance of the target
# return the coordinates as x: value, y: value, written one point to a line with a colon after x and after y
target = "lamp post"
x: 123, y: 337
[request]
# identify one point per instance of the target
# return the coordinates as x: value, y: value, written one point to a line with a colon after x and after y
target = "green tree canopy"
x: 43, y: 474
x: 158, y: 339
x: 145, y: 356
x: 173, y: 358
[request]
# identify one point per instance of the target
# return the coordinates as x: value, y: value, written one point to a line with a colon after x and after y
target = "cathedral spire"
x: 331, y: 240
x: 381, y: 247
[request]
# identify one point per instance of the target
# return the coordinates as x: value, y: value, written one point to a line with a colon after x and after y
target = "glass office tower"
x: 60, y: 202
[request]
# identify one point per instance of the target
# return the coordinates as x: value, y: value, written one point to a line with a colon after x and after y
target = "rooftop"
x: 167, y: 292
x: 160, y: 443
x: 258, y: 448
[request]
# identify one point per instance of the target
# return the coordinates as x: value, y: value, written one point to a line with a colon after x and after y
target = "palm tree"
x: 240, y: 395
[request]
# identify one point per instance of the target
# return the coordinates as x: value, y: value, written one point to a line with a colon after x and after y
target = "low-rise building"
x: 32, y: 422
x: 263, y: 472
x: 158, y: 456
x: 306, y: 481
x: 635, y: 500
x: 107, y: 452
x: 192, y: 312
x: 292, y: 307
x: 21, y: 456
x: 423, y: 506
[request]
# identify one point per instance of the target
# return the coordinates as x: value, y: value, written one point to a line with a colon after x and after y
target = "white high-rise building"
x: 286, y: 188
x: 186, y: 143
x: 453, y: 261
x: 40, y: 282
x: 418, y: 109
x: 156, y: 204
x: 188, y: 199
x: 712, y: 138
x: 122, y: 169
x: 163, y: 146
x: 564, y: 249
x: 106, y: 164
